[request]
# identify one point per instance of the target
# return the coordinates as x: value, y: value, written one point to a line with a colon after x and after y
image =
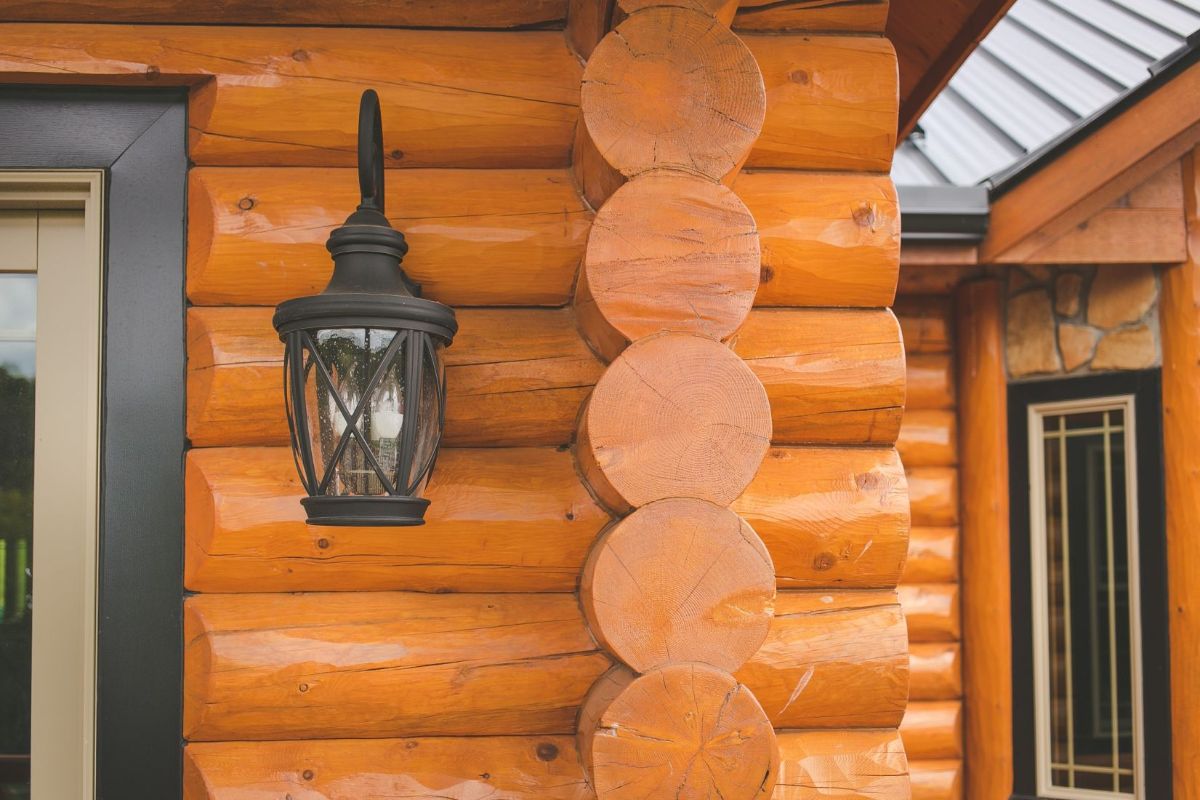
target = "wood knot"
x: 323, y: 544
x: 396, y: 154
x: 869, y: 481
x: 766, y: 274
x: 304, y: 687
x: 485, y: 776
x: 823, y: 562
x: 152, y: 73
x: 865, y: 216
x: 570, y: 516
x: 300, y: 55
x: 307, y: 774
x: 246, y: 203
x: 547, y: 751
x: 410, y: 745
x: 799, y: 76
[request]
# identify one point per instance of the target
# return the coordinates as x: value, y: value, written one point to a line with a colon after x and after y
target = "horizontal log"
x: 519, y: 520
x: 932, y: 556
x: 931, y: 381
x: 928, y: 438
x: 933, y: 492
x: 832, y: 102
x: 515, y: 237
x: 930, y: 272
x: 832, y: 16
x: 510, y: 767
x: 384, y: 664
x: 828, y: 239
x: 937, y: 779
x: 476, y: 237
x: 406, y: 13
x: 832, y: 661
x: 830, y: 517
x: 517, y: 377
x: 513, y: 377
x: 488, y: 99
x: 936, y: 671
x: 933, y: 730
x: 926, y: 321
x: 932, y: 610
x: 289, y: 96
x: 831, y: 375
x: 500, y: 520
x: 848, y: 764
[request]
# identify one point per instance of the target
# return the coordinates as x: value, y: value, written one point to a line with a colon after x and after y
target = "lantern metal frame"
x: 368, y: 291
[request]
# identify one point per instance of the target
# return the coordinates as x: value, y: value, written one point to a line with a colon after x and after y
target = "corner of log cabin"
x: 453, y: 660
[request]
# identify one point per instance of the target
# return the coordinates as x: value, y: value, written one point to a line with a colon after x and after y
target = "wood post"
x: 986, y: 579
x: 1180, y: 315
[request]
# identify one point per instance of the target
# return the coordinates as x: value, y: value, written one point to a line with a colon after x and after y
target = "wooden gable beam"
x: 1127, y: 151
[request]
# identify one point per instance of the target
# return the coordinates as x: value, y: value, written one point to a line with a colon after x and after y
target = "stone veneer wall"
x: 1080, y: 319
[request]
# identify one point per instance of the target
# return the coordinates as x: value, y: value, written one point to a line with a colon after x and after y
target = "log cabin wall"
x: 454, y: 660
x: 929, y: 588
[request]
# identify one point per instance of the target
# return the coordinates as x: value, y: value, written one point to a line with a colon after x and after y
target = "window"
x: 1089, y: 588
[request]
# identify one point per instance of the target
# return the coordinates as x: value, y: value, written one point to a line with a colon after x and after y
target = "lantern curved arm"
x: 370, y: 152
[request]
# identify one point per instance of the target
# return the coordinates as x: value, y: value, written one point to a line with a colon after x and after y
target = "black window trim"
x: 139, y: 139
x: 1145, y: 386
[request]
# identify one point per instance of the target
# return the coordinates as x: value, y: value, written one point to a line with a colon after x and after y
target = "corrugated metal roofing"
x: 1044, y: 70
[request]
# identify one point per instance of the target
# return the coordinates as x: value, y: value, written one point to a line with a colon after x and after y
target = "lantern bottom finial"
x: 365, y: 511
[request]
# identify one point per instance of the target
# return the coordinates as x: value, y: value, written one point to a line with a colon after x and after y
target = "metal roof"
x: 1044, y: 71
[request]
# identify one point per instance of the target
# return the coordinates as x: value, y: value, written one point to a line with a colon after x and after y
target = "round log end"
x: 680, y: 580
x: 668, y: 252
x: 674, y: 416
x: 673, y: 88
x: 687, y: 731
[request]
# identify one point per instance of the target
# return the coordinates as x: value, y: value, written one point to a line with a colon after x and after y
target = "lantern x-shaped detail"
x: 364, y: 383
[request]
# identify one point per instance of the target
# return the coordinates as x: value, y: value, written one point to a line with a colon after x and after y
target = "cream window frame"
x: 1039, y: 575
x: 66, y: 481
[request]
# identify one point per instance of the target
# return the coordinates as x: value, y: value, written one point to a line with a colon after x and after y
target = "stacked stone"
x: 680, y: 590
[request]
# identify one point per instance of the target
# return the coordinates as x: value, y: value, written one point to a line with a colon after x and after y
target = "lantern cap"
x: 365, y: 511
x: 368, y: 288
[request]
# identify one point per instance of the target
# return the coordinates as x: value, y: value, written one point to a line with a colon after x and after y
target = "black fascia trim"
x: 1161, y: 73
x: 1146, y: 387
x: 943, y: 213
x: 139, y: 139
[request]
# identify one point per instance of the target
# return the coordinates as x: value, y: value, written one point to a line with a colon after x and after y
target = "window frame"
x: 1142, y: 389
x: 139, y: 140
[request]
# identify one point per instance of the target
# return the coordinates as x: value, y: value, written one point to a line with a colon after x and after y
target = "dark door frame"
x: 139, y: 139
x: 1146, y: 387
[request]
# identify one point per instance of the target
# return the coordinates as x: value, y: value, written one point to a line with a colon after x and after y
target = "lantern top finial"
x: 370, y: 153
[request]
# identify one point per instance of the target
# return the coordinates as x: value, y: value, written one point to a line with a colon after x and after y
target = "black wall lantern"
x: 364, y: 383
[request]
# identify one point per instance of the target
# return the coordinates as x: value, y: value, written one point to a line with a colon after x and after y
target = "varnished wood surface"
x: 986, y: 577
x: 808, y: 126
x: 933, y: 730
x: 830, y: 517
x: 256, y: 235
x: 674, y: 415
x: 828, y: 239
x: 824, y: 387
x: 926, y: 321
x: 513, y: 377
x: 932, y: 556
x: 519, y: 520
x: 933, y: 492
x: 928, y: 438
x: 289, y: 96
x: 500, y: 520
x: 932, y: 611
x: 937, y: 779
x: 467, y: 768
x: 857, y: 764
x: 640, y: 276
x: 685, y: 730
x: 679, y: 580
x: 391, y: 664
x: 832, y: 661
x: 936, y: 670
x: 405, y: 13
x: 855, y: 16
x: 1180, y: 319
x: 849, y: 764
x: 476, y: 237
x: 931, y: 382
